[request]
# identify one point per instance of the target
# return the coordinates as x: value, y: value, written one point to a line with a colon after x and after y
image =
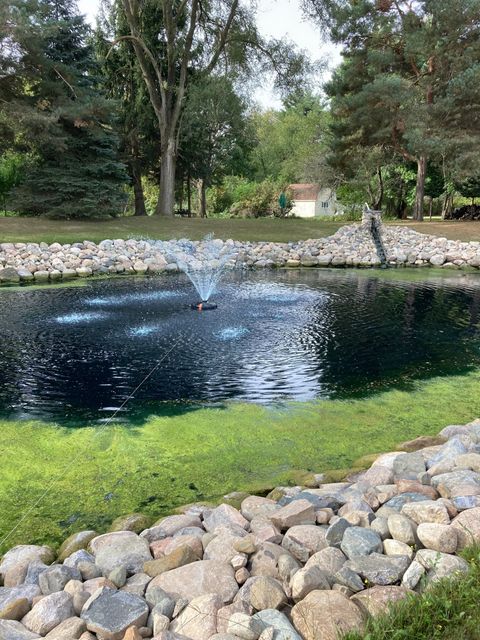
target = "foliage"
x: 256, y: 199
x: 57, y: 112
x: 12, y: 166
x: 470, y: 188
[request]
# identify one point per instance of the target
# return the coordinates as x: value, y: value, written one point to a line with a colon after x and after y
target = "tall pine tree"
x: 77, y: 172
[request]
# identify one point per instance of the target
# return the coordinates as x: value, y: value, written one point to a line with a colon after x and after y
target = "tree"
x: 215, y: 136
x: 403, y: 78
x: 470, y: 188
x: 66, y: 122
x: 12, y: 167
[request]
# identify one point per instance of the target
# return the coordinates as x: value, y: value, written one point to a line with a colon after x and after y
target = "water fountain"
x: 204, y: 263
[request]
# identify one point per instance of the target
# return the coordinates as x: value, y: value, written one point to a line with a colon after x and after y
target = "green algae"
x: 56, y: 480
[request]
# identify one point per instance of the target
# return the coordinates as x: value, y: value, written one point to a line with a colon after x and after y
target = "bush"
x: 256, y: 200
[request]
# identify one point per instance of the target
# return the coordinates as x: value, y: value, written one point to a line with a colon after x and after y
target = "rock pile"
x: 350, y: 246
x: 302, y: 563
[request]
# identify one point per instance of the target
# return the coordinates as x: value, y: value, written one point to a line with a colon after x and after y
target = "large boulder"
x: 358, y: 541
x: 25, y: 554
x: 375, y: 601
x: 75, y: 542
x: 109, y: 613
x: 379, y: 569
x: 198, y: 620
x: 168, y: 526
x: 273, y: 619
x: 302, y: 541
x: 254, y: 506
x: 120, y: 549
x: 225, y: 516
x: 267, y: 593
x: 324, y: 615
x: 467, y: 526
x: 426, y: 511
x: 13, y: 630
x: 71, y: 628
x: 298, y: 512
x: 49, y: 612
x: 198, y: 579
x: 439, y: 537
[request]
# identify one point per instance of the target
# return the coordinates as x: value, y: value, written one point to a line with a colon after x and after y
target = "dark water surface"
x: 75, y: 354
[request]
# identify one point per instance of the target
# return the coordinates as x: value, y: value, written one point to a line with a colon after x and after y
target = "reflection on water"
x: 275, y: 335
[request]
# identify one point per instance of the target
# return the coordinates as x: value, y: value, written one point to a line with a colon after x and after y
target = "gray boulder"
x: 109, y: 613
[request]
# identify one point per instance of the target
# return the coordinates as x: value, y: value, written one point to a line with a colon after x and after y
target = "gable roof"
x: 304, y: 191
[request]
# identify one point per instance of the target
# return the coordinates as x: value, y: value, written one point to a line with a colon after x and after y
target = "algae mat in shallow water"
x: 84, y: 478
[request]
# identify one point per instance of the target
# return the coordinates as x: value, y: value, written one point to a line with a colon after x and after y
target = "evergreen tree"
x: 77, y: 172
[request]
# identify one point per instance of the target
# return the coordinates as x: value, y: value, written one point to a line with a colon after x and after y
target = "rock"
x: 97, y: 583
x: 135, y: 522
x: 169, y: 526
x: 225, y: 515
x: 377, y: 600
x: 402, y: 528
x: 271, y: 619
x: 109, y: 613
x: 440, y: 565
x: 121, y: 548
x: 468, y: 461
x: 306, y: 580
x: 13, y: 603
x: 379, y: 569
x: 349, y: 579
x: 254, y: 506
x: 77, y: 557
x: 334, y: 533
x: 449, y: 451
x: 245, y: 545
x: 264, y: 531
x: 133, y: 633
x: 421, y: 442
x: 329, y: 560
x: 178, y: 558
x: 426, y: 511
x: 311, y: 622
x: 298, y: 512
x: 13, y: 630
x: 397, y: 548
x: 198, y: 620
x: 244, y: 626
x: 358, y: 541
x: 25, y: 554
x: 264, y: 561
x: 69, y: 629
x: 222, y: 547
x: 242, y: 575
x: 413, y: 575
x: 159, y: 599
x: 137, y: 584
x: 55, y: 577
x: 461, y: 482
x: 408, y: 466
x: 287, y: 566
x: 267, y: 593
x: 118, y: 576
x: 413, y: 486
x: 397, y: 502
x: 380, y: 526
x: 197, y: 579
x: 467, y: 526
x: 75, y: 542
x: 224, y: 614
x: 159, y: 621
x: 193, y: 541
x: 79, y: 599
x: 439, y: 537
x: 302, y: 541
x: 49, y: 612
x: 8, y: 274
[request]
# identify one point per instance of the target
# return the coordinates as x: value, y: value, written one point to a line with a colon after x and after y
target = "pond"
x: 75, y: 355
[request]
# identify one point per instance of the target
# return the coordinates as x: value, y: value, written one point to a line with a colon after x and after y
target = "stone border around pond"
x: 350, y: 246
x: 269, y: 570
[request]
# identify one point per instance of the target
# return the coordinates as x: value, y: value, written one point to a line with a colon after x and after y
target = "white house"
x: 311, y: 200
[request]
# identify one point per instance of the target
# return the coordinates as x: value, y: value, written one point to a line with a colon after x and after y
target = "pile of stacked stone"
x: 350, y: 246
x: 304, y: 562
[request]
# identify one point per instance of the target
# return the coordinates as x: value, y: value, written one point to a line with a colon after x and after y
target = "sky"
x: 276, y: 18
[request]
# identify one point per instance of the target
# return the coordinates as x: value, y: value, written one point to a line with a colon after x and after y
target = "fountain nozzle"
x: 204, y: 305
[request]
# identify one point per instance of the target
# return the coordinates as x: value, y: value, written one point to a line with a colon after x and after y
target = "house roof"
x: 304, y: 191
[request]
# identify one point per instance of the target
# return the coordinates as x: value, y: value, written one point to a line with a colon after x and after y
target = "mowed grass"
x: 448, y: 610
x: 57, y: 480
x: 155, y: 227
x: 20, y: 229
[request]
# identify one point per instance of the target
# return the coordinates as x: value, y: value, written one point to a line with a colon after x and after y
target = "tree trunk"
x: 202, y: 198
x: 166, y: 199
x: 139, y: 198
x: 420, y: 188
x: 430, y: 207
x: 447, y: 206
x: 189, y: 196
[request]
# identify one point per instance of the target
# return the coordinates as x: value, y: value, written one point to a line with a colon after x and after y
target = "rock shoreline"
x: 350, y: 246
x: 269, y: 570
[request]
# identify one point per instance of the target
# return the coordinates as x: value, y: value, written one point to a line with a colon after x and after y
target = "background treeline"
x: 151, y: 112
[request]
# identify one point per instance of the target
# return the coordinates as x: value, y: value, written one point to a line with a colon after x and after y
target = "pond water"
x: 75, y: 354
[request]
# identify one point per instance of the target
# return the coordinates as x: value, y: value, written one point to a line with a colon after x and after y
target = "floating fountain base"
x: 204, y: 306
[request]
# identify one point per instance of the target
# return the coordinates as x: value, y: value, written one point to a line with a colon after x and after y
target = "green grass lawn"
x: 99, y: 474
x: 20, y: 229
